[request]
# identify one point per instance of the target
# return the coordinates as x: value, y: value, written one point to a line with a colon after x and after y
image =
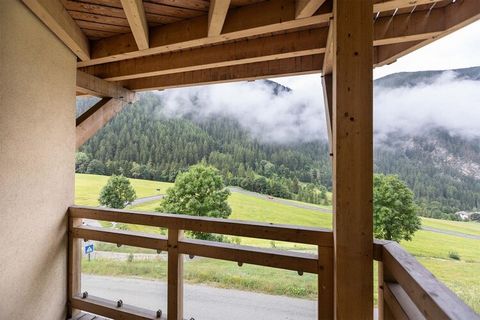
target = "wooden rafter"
x: 216, y: 16
x: 252, y: 20
x: 251, y: 71
x: 307, y: 8
x: 56, y: 18
x: 446, y: 20
x: 388, y: 5
x: 88, y: 84
x: 92, y: 120
x: 328, y: 59
x: 138, y: 23
x: 294, y: 44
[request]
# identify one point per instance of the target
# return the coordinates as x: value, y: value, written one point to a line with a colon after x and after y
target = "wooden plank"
x: 452, y: 17
x: 270, y: 231
x: 353, y: 159
x: 56, y: 18
x: 95, y: 86
x: 294, y: 44
x: 95, y: 118
x: 129, y: 238
x: 175, y: 276
x: 216, y: 16
x: 400, y: 304
x: 384, y: 276
x: 389, y: 5
x: 307, y: 8
x: 109, y: 309
x: 251, y: 71
x: 328, y: 58
x: 74, y: 266
x: 327, y: 84
x: 432, y: 297
x: 138, y: 23
x: 281, y: 259
x: 325, y: 283
x: 252, y: 20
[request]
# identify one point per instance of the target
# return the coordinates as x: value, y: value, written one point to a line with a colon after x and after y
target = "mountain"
x: 442, y: 168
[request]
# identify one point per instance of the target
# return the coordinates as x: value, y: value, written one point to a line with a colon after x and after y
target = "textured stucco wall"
x: 37, y: 139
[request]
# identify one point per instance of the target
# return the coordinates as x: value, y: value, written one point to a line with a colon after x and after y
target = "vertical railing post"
x: 175, y: 276
x: 325, y: 283
x: 384, y: 275
x: 74, y: 265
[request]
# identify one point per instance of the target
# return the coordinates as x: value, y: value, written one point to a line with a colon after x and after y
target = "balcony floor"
x: 87, y: 316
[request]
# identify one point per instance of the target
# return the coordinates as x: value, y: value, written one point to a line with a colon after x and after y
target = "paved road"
x: 147, y: 199
x: 452, y: 233
x: 202, y: 302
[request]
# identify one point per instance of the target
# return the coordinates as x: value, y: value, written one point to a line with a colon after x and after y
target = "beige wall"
x: 37, y: 97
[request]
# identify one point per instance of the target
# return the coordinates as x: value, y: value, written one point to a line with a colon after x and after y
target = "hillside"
x: 144, y: 141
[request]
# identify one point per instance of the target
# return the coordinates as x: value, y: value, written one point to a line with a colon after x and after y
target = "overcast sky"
x: 460, y: 49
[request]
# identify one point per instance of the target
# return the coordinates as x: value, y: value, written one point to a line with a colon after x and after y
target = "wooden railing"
x: 406, y: 290
x: 176, y: 246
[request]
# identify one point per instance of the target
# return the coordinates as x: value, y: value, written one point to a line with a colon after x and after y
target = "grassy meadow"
x: 430, y: 248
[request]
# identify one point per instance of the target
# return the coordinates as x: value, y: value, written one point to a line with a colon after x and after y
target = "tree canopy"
x: 394, y: 209
x: 117, y: 193
x: 198, y: 192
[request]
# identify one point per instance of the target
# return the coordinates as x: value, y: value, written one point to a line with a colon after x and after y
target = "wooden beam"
x: 353, y: 159
x: 446, y: 19
x: 294, y: 44
x: 242, y: 22
x: 95, y: 118
x: 250, y: 71
x: 326, y: 309
x: 138, y: 23
x: 307, y: 8
x: 399, y: 303
x: 259, y: 230
x: 89, y: 84
x: 56, y: 18
x: 389, y: 5
x: 74, y: 266
x: 328, y: 58
x: 216, y: 16
x: 175, y: 276
x: 327, y: 84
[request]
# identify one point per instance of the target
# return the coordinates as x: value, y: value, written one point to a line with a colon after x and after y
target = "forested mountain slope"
x: 441, y: 167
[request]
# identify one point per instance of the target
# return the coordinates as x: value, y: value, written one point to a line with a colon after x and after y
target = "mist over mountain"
x: 426, y: 131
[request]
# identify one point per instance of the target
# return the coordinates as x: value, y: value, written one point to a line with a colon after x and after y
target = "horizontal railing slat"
x: 108, y: 308
x: 432, y: 297
x: 297, y: 234
x: 400, y: 303
x: 129, y: 238
x: 288, y: 260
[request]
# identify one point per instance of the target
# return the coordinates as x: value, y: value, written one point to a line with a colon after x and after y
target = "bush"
x: 454, y: 255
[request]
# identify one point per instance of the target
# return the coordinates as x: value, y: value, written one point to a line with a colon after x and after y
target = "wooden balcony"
x: 406, y: 289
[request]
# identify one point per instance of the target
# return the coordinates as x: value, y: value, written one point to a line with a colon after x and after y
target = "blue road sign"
x: 89, y: 248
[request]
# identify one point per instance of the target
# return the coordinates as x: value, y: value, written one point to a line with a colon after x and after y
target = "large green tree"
x: 394, y: 209
x: 198, y: 192
x: 117, y: 193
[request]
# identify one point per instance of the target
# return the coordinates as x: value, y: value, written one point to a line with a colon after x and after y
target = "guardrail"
x: 176, y: 246
x: 407, y: 290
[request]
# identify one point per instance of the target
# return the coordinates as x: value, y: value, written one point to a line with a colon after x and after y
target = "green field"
x: 431, y: 249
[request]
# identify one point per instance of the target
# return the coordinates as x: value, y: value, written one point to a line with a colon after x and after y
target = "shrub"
x: 454, y: 255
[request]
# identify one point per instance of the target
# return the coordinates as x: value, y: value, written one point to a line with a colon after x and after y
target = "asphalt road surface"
x: 201, y: 302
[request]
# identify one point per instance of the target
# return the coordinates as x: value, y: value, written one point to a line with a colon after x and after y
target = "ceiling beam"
x: 449, y: 18
x: 56, y: 18
x: 328, y: 58
x: 251, y: 71
x: 88, y: 84
x: 293, y: 44
x: 389, y: 5
x: 92, y: 120
x: 307, y: 8
x: 216, y: 16
x: 138, y: 23
x: 242, y: 22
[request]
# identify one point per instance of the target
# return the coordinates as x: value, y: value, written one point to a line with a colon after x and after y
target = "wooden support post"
x: 327, y: 96
x: 353, y: 159
x: 325, y: 283
x: 175, y: 276
x: 384, y: 275
x: 74, y: 266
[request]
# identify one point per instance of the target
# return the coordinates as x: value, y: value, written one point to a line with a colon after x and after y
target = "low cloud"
x: 298, y: 116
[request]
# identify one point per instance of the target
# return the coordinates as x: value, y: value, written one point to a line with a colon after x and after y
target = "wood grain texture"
x: 216, y: 16
x: 175, y: 276
x: 353, y: 159
x: 135, y: 14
